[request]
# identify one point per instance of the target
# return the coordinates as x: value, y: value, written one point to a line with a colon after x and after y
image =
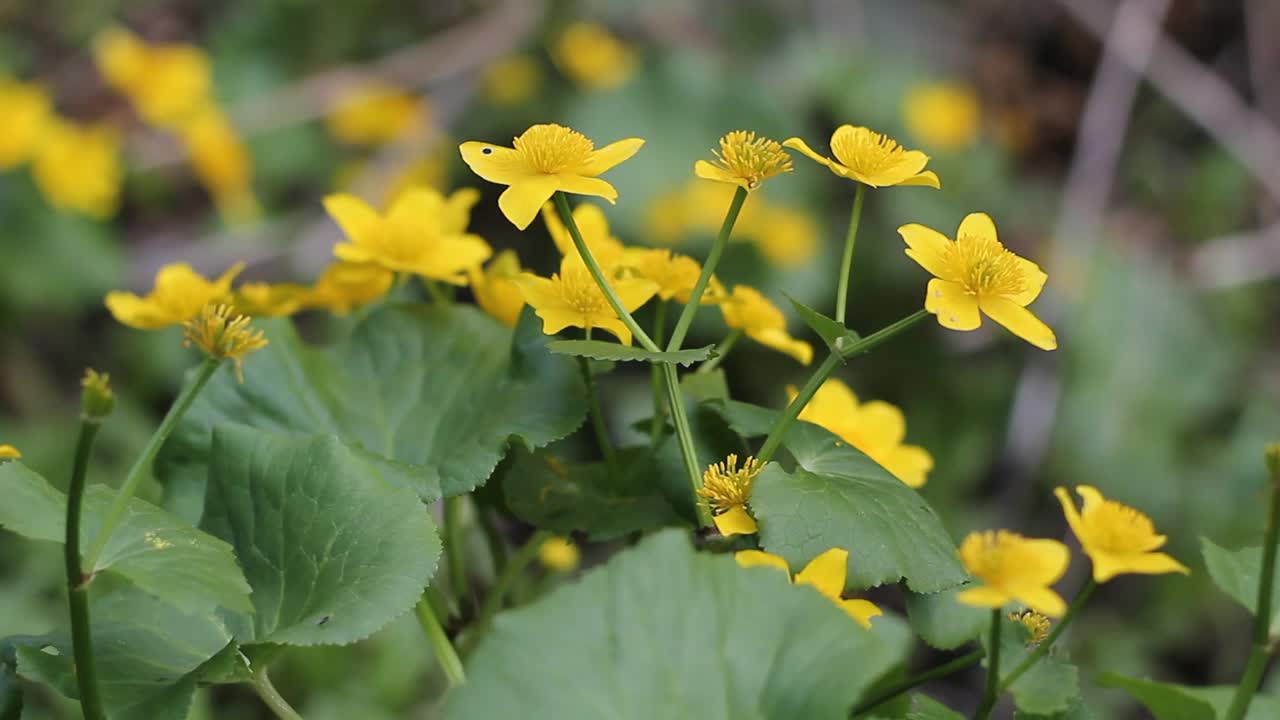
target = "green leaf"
x: 440, y: 390
x: 664, y: 632
x: 601, y: 350
x: 924, y: 707
x: 1077, y: 711
x: 746, y: 419
x: 705, y: 386
x: 332, y: 548
x: 1052, y: 685
x: 1166, y: 702
x: 834, y: 334
x: 541, y: 490
x: 1263, y: 707
x: 942, y: 621
x: 1236, y: 573
x: 151, y: 548
x: 839, y: 497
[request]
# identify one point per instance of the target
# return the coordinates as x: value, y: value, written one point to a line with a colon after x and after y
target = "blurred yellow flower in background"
x: 79, y: 169
x: 976, y: 273
x: 945, y: 115
x: 785, y: 236
x: 559, y: 554
x: 826, y: 573
x: 673, y: 273
x: 347, y: 285
x: 1012, y: 567
x: 424, y: 233
x: 27, y: 113
x: 593, y: 225
x: 546, y: 159
x: 571, y: 298
x: 593, y: 57
x: 870, y: 158
x: 261, y: 299
x: 375, y: 113
x: 876, y: 428
x: 221, y: 161
x: 496, y: 290
x: 9, y: 452
x: 512, y: 80
x: 179, y: 294
x: 726, y: 490
x: 744, y: 160
x: 748, y: 310
x: 167, y: 83
x: 1117, y: 538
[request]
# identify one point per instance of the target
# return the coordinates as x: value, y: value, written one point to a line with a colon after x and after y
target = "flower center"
x: 580, y: 291
x: 553, y: 148
x: 1119, y: 528
x: 866, y: 151
x: 726, y: 486
x: 752, y: 158
x: 985, y: 267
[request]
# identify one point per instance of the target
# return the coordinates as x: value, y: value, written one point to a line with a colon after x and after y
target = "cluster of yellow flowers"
x: 587, y: 53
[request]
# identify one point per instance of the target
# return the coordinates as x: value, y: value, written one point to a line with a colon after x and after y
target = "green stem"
x: 77, y: 582
x: 493, y: 538
x: 453, y: 547
x: 1043, y: 648
x: 443, y: 650
x: 493, y: 602
x: 675, y: 397
x: 597, y: 417
x: 992, y: 692
x: 272, y: 697
x: 820, y: 375
x: 708, y: 269
x: 655, y: 374
x: 943, y: 670
x: 721, y: 350
x: 1260, y: 653
x: 437, y: 293
x: 143, y: 463
x: 846, y: 261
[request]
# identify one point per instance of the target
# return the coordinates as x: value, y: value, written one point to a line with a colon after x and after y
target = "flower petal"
x: 910, y: 464
x: 579, y: 185
x: 416, y: 206
x: 983, y: 596
x: 615, y: 326
x: 928, y: 247
x: 1035, y: 282
x: 1019, y: 321
x: 883, y: 425
x: 759, y: 558
x: 1045, y: 561
x: 796, y: 143
x: 634, y: 292
x: 1043, y: 600
x: 353, y: 215
x: 129, y: 309
x: 955, y: 308
x: 494, y: 163
x: 608, y: 156
x: 826, y: 572
x: 861, y: 610
x: 928, y: 178
x: 735, y: 521
x: 521, y: 202
x: 707, y: 171
x: 782, y: 342
x: 978, y: 225
x: 1107, y: 565
x: 908, y: 165
x: 1073, y: 516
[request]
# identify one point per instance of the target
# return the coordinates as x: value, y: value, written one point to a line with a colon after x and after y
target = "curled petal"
x: 928, y: 178
x: 579, y: 185
x: 928, y: 247
x: 759, y: 558
x: 609, y: 156
x: 735, y: 521
x: 494, y: 163
x: 1019, y: 321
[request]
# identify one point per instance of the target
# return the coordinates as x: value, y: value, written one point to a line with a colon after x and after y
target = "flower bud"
x: 96, y: 398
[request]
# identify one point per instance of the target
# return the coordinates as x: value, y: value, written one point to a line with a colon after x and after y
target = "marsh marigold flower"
x: 726, y: 490
x: 222, y: 334
x: 346, y: 285
x: 674, y: 274
x: 221, y: 162
x: 559, y: 554
x: 496, y: 290
x: 976, y: 273
x: 1117, y: 538
x: 876, y: 428
x: 592, y: 56
x: 512, y: 80
x: 167, y: 83
x: 546, y: 159
x: 260, y: 299
x: 424, y: 233
x: 594, y: 228
x: 78, y: 168
x: 744, y: 160
x: 942, y: 115
x: 9, y: 452
x: 572, y: 299
x: 1011, y: 567
x: 375, y: 113
x: 179, y: 294
x: 748, y: 310
x: 27, y: 112
x: 870, y: 158
x: 785, y: 236
x: 825, y: 573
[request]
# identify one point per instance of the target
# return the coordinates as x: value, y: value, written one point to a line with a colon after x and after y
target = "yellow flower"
x: 222, y: 163
x: 559, y: 554
x: 825, y: 573
x: 747, y: 310
x: 594, y: 228
x: 942, y: 115
x: 1012, y: 567
x: 375, y: 113
x: 546, y: 159
x: 78, y: 168
x: 876, y: 428
x: 179, y: 294
x: 345, y: 285
x: 22, y: 124
x: 744, y: 160
x: 1116, y: 537
x: 870, y: 158
x: 424, y: 233
x: 726, y: 489
x: 1037, y: 625
x: 9, y: 452
x: 260, y: 299
x: 222, y: 335
x: 976, y: 272
x: 572, y: 299
x: 674, y: 274
x: 512, y: 80
x: 496, y: 290
x: 167, y: 83
x: 786, y: 236
x: 592, y: 56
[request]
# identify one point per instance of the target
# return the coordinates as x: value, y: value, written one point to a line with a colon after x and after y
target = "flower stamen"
x: 222, y: 336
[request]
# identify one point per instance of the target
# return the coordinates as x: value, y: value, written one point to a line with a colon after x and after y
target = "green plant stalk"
x: 443, y: 650
x: 952, y: 666
x: 992, y: 693
x: 502, y: 585
x: 1260, y: 653
x: 685, y: 435
x: 1043, y: 648
x: 597, y: 416
x: 846, y: 260
x: 262, y: 685
x: 820, y: 375
x: 438, y: 294
x: 78, y: 582
x: 655, y: 374
x: 708, y: 270
x: 455, y: 553
x: 492, y: 538
x: 140, y: 467
x: 721, y: 350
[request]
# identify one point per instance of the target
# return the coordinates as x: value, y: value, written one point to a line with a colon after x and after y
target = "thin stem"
x: 1260, y: 653
x: 566, y: 216
x: 143, y: 463
x: 272, y: 697
x: 708, y: 269
x: 493, y: 538
x: 597, y: 417
x: 675, y: 397
x: 453, y: 547
x: 721, y: 350
x: 846, y: 261
x: 437, y: 293
x: 992, y: 692
x: 952, y: 666
x: 497, y: 594
x: 77, y: 582
x: 1043, y: 648
x: 443, y: 650
x: 655, y: 374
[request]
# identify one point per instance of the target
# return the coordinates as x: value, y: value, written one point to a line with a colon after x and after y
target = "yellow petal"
x: 634, y: 293
x: 357, y: 220
x: 494, y: 163
x: 539, y: 292
x: 927, y: 178
x: 928, y: 247
x: 707, y: 171
x: 910, y: 464
x: 615, y: 326
x: 986, y: 597
x: 1073, y: 516
x: 861, y: 610
x: 908, y: 165
x: 796, y: 143
x: 609, y: 156
x: 760, y: 558
x: 1035, y: 279
x: 1107, y: 566
x: 416, y: 206
x: 1043, y: 600
x: 977, y: 225
x: 1046, y: 561
x: 580, y: 185
x: 129, y: 309
x: 826, y: 572
x: 1019, y: 321
x: 521, y: 202
x: 956, y: 309
x: 782, y: 342
x: 883, y: 425
x: 735, y: 521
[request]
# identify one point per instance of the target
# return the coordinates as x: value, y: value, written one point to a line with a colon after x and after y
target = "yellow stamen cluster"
x: 867, y: 152
x: 96, y: 398
x: 985, y: 267
x: 1037, y: 625
x: 553, y: 148
x: 579, y: 290
x: 220, y: 335
x: 750, y: 158
x: 726, y: 486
